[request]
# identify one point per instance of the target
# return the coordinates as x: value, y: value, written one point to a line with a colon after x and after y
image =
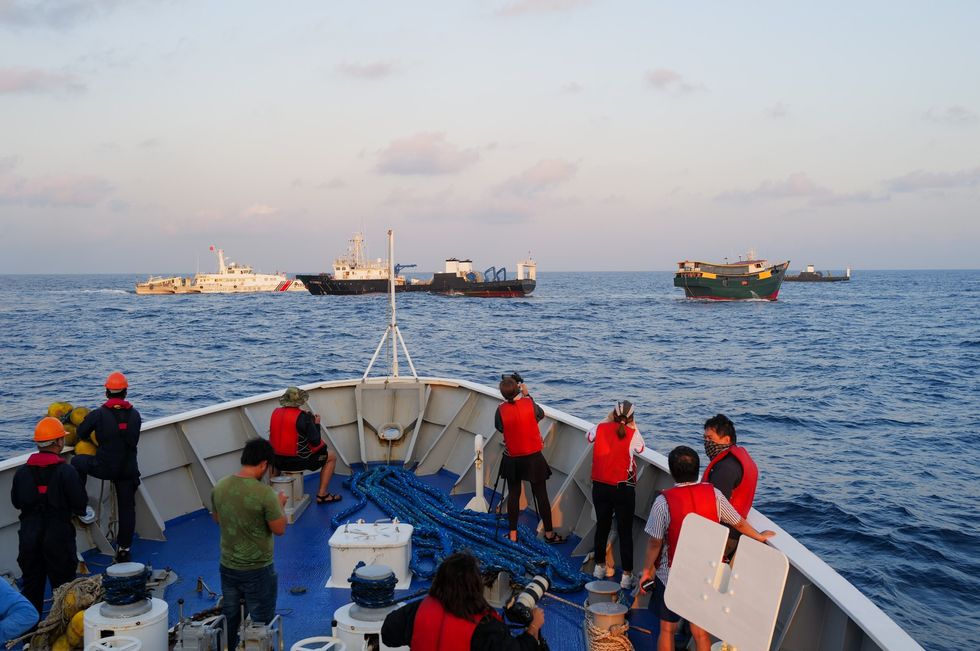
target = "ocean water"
x: 860, y: 401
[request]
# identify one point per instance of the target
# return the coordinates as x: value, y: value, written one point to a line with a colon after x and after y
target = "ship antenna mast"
x: 392, y: 334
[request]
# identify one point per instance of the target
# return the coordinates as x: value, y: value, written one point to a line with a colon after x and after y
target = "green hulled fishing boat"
x: 743, y: 280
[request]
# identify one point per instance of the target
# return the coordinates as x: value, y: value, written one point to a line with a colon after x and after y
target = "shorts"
x: 658, y: 606
x: 530, y: 467
x: 297, y: 464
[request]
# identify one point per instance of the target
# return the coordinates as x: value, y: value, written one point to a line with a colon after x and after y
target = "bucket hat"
x: 294, y: 397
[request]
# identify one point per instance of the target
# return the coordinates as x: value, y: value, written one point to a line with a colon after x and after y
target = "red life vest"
x: 612, y: 458
x: 682, y: 501
x: 435, y: 629
x: 283, y: 434
x: 41, y: 465
x: 744, y: 493
x: 521, y: 434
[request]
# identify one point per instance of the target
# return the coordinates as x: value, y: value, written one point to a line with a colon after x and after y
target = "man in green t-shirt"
x: 248, y: 513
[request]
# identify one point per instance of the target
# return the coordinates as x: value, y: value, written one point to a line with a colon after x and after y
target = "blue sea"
x: 859, y: 401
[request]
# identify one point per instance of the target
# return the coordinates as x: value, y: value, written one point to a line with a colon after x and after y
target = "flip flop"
x: 555, y: 538
x: 328, y: 498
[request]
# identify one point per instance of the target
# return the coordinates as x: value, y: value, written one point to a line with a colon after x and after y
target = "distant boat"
x: 353, y: 273
x: 811, y: 276
x: 232, y: 278
x: 743, y: 280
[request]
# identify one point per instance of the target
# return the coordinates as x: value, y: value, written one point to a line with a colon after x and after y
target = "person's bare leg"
x: 665, y: 641
x: 326, y: 472
x: 701, y: 638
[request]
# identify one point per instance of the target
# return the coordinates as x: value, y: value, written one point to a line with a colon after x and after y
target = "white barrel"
x: 150, y: 628
x: 116, y: 643
x: 320, y: 643
x: 354, y: 631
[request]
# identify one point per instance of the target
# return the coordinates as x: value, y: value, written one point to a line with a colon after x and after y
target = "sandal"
x: 328, y: 498
x: 554, y: 539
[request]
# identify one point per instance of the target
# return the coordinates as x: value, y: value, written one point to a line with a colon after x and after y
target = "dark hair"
x: 622, y: 419
x: 684, y: 464
x: 722, y: 425
x: 509, y: 388
x: 458, y: 586
x: 256, y: 451
x: 121, y: 394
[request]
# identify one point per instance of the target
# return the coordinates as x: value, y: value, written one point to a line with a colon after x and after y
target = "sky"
x: 592, y: 134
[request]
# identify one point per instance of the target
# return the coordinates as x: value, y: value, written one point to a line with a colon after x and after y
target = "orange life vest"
x: 612, y: 457
x: 521, y: 434
x: 682, y: 501
x: 744, y: 493
x: 283, y: 434
x: 435, y: 629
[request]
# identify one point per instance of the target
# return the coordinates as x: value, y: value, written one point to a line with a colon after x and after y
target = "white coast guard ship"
x: 231, y: 278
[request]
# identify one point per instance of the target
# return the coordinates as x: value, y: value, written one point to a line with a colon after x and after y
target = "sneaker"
x: 89, y: 516
x: 628, y: 582
x: 600, y: 571
x: 123, y: 555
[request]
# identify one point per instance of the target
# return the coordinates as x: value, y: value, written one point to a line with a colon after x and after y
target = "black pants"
x: 621, y: 500
x: 540, y: 491
x: 46, y: 554
x: 125, y: 495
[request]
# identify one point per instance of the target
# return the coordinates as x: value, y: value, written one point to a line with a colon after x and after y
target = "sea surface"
x: 859, y: 401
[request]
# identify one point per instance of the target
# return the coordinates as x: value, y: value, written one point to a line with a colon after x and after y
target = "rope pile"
x: 372, y: 593
x: 441, y: 528
x: 611, y: 639
x: 122, y: 590
x: 68, y: 599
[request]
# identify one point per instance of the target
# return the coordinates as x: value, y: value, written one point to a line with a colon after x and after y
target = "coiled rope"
x: 372, y: 593
x: 611, y: 639
x: 123, y: 590
x: 441, y: 528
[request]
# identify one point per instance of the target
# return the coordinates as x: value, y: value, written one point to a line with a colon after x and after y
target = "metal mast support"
x: 392, y: 334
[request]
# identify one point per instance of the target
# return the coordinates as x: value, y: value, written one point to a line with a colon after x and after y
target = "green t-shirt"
x: 244, y: 507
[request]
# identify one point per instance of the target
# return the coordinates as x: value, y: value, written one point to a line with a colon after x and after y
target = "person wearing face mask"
x: 731, y: 470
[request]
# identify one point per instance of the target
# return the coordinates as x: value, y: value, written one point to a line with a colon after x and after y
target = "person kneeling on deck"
x: 455, y: 616
x: 47, y: 491
x: 116, y: 425
x: 517, y: 419
x: 248, y: 513
x: 664, y: 526
x: 294, y: 432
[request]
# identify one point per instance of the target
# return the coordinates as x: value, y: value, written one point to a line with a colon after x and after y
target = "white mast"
x: 392, y: 334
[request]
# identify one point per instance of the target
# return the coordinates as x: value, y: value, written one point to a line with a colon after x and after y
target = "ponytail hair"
x: 623, y: 414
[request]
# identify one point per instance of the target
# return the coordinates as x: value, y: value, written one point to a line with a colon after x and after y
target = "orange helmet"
x: 48, y: 428
x: 116, y: 382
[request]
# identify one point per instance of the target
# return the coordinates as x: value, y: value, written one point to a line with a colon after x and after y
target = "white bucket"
x: 150, y: 628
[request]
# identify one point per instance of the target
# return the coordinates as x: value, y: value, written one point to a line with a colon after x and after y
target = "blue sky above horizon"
x: 595, y: 134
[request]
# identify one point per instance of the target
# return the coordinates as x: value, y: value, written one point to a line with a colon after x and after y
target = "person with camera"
x: 517, y: 419
x: 614, y: 442
x: 455, y: 616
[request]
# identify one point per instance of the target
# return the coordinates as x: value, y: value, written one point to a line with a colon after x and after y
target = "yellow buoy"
x: 76, y: 629
x: 59, y: 409
x: 61, y: 644
x: 78, y: 414
x: 84, y: 447
x: 71, y: 437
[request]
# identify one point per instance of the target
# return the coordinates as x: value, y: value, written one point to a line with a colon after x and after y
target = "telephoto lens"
x: 521, y: 605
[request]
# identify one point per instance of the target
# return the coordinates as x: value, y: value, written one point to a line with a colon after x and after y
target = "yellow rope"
x: 83, y: 593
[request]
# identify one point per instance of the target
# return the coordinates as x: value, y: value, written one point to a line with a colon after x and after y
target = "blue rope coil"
x: 441, y: 528
x: 123, y: 590
x: 372, y: 593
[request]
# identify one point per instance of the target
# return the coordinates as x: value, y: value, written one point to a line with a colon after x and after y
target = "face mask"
x: 713, y: 449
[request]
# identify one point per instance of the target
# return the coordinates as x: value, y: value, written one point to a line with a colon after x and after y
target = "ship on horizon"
x: 812, y: 276
x: 231, y: 278
x: 744, y: 280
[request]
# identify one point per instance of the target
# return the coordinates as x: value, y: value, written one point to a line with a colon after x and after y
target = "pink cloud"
x: 543, y: 175
x: 922, y: 180
x: 670, y: 80
x: 378, y: 70
x: 71, y: 191
x: 35, y: 80
x: 425, y: 153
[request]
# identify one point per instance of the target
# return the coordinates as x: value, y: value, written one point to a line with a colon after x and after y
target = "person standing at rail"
x: 517, y: 420
x: 614, y: 442
x: 116, y: 426
x: 730, y: 469
x: 47, y: 492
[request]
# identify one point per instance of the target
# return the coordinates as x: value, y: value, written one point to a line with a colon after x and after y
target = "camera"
x: 521, y: 606
x: 514, y: 376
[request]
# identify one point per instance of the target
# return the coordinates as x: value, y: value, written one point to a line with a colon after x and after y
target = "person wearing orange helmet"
x: 116, y: 425
x: 47, y: 492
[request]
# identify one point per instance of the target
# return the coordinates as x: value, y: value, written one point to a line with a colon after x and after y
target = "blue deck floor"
x: 302, y: 560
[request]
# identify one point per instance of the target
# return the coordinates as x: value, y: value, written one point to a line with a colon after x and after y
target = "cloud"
x: 922, y: 180
x: 425, y: 153
x: 542, y: 176
x: 70, y: 191
x: 7, y: 163
x: 378, y: 70
x: 957, y: 116
x: 523, y: 7
x: 35, y: 80
x: 58, y: 14
x: 333, y: 184
x: 149, y: 143
x: 669, y: 80
x: 572, y: 88
x: 777, y: 111
x: 800, y: 186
